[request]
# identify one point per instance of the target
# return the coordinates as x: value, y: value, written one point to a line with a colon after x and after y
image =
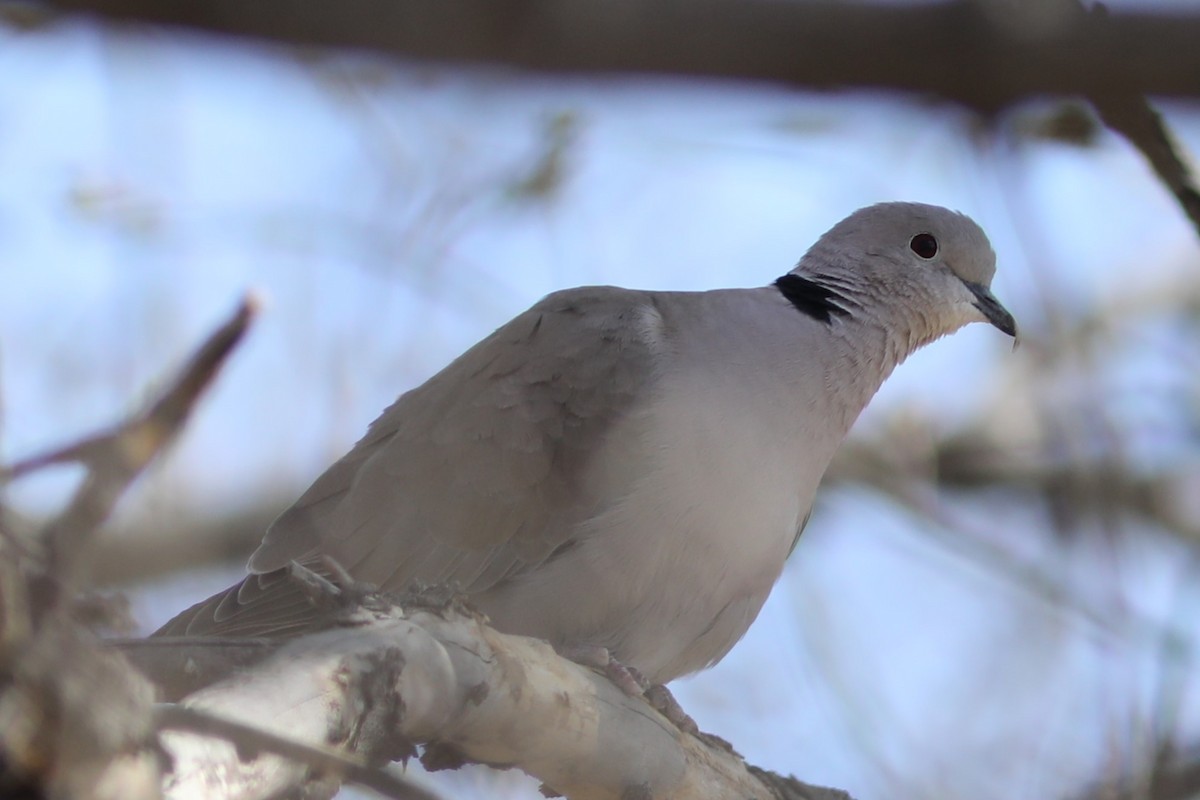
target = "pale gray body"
x: 626, y: 469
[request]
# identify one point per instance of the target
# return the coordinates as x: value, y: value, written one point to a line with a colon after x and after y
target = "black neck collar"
x: 811, y: 298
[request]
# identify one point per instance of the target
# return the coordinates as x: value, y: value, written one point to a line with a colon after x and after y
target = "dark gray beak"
x: 996, y: 314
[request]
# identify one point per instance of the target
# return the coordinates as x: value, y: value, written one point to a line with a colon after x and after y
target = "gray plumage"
x: 628, y: 469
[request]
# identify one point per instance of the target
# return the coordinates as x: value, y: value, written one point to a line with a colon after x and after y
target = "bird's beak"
x: 996, y: 314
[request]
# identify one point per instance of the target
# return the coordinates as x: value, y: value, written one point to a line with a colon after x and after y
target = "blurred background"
x: 998, y: 593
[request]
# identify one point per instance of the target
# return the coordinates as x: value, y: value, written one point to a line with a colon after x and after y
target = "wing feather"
x: 475, y: 476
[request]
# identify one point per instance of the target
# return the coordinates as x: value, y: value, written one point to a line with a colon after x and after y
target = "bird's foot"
x: 630, y: 681
x: 627, y: 679
x: 660, y: 697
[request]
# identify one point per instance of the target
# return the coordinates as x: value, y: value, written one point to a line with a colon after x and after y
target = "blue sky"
x: 150, y: 180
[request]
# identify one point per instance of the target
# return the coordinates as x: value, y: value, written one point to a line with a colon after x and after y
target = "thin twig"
x: 131, y: 445
x: 115, y: 458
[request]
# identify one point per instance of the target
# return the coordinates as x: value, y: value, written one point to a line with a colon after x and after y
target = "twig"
x: 75, y: 716
x: 115, y: 458
x: 1132, y: 116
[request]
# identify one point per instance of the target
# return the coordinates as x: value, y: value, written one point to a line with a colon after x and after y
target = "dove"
x: 625, y: 472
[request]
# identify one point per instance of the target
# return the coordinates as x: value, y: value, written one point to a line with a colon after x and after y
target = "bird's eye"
x: 924, y: 245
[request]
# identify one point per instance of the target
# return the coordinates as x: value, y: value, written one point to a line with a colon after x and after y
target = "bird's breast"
x: 690, y: 551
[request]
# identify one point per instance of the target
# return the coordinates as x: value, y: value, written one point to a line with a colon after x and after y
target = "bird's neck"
x: 869, y: 335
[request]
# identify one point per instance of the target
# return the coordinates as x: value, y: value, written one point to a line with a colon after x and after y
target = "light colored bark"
x: 443, y: 678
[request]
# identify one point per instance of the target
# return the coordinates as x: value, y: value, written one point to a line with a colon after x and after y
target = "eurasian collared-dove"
x: 628, y: 469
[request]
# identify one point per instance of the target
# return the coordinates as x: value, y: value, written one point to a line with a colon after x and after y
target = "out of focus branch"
x: 1175, y: 775
x: 972, y: 459
x: 150, y: 546
x: 979, y: 54
x: 75, y: 717
x: 115, y: 458
x: 1133, y: 117
x: 980, y: 455
x: 961, y: 50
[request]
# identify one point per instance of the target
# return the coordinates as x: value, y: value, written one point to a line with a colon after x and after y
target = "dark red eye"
x: 924, y: 245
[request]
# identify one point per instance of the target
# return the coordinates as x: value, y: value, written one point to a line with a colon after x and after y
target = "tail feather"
x: 271, y: 604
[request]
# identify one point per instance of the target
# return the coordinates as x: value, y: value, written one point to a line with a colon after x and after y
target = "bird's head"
x: 922, y: 262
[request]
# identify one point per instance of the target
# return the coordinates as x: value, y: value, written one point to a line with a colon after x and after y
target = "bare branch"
x: 249, y: 741
x: 1132, y: 116
x: 1135, y: 119
x: 985, y: 59
x: 390, y: 677
x: 954, y: 49
x: 1175, y: 775
x: 151, y: 546
x: 114, y: 459
x: 75, y: 717
x: 128, y: 448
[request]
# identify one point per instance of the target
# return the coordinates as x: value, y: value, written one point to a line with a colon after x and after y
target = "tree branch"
x: 959, y: 50
x: 1175, y: 775
x: 428, y: 672
x: 75, y: 718
x: 203, y: 738
x: 1133, y: 117
x: 115, y: 458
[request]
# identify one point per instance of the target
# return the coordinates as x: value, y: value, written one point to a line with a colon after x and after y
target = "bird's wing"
x: 473, y: 477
